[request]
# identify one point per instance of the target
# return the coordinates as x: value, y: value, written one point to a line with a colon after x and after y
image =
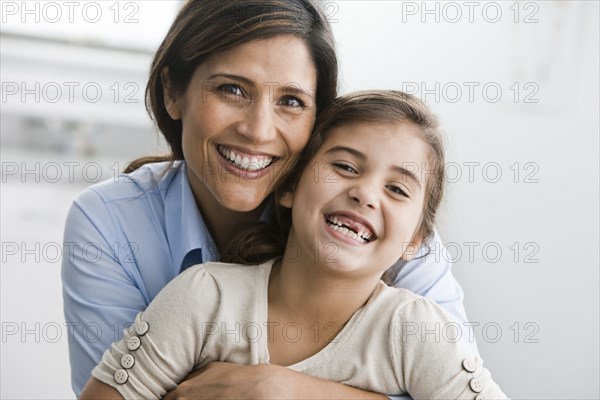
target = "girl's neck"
x: 318, y: 303
x: 311, y: 291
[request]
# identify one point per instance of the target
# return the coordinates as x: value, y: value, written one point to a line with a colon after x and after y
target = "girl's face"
x: 359, y: 202
x: 246, y: 114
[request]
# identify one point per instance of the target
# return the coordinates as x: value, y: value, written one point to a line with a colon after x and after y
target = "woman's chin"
x: 242, y: 202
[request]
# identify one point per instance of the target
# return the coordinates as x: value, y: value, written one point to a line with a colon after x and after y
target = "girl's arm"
x: 436, y: 366
x: 429, y: 274
x: 165, y: 342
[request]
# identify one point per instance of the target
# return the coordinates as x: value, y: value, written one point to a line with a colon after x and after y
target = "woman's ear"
x: 172, y: 101
x: 286, y: 199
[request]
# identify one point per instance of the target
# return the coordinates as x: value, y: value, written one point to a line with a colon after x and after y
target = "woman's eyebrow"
x: 358, y: 154
x: 233, y: 77
x: 288, y: 88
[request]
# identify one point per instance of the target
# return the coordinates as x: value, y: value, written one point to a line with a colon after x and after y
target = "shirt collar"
x: 188, y: 235
x: 186, y: 230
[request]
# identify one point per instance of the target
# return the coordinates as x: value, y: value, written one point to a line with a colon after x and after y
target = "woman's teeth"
x: 253, y: 163
x: 362, y: 236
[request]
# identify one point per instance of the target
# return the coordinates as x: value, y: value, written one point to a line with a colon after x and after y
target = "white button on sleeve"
x: 469, y: 365
x: 121, y: 376
x: 141, y: 328
x: 476, y: 385
x: 133, y: 342
x: 127, y: 361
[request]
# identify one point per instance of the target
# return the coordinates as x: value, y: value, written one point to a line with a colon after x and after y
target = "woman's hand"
x: 264, y: 381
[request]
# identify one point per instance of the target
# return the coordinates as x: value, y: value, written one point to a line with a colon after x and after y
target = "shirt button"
x: 479, y: 397
x: 127, y: 361
x: 469, y: 364
x: 133, y: 342
x: 476, y: 385
x: 121, y: 376
x: 141, y: 328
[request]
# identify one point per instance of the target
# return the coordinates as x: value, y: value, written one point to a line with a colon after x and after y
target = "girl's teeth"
x: 337, y: 226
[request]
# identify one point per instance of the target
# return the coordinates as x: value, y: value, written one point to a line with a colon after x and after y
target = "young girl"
x: 367, y: 191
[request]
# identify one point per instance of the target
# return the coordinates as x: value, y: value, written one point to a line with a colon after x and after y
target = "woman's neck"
x: 222, y: 223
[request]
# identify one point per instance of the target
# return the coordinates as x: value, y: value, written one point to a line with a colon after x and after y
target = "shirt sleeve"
x: 99, y: 295
x: 429, y: 274
x: 165, y: 343
x: 430, y: 360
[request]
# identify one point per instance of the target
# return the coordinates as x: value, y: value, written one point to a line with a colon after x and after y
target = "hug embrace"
x: 308, y: 198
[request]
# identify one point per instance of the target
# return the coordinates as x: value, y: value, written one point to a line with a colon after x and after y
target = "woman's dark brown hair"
x: 205, y: 27
x: 267, y: 241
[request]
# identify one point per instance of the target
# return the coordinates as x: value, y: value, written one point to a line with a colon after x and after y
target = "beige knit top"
x: 397, y: 343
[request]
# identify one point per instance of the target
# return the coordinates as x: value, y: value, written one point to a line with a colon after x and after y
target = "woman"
x: 234, y: 88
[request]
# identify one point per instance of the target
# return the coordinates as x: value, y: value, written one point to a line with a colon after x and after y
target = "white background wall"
x: 536, y: 300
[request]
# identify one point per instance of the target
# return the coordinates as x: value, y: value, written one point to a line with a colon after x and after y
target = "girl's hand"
x: 264, y: 381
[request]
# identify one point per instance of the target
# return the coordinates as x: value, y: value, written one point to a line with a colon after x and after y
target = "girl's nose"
x: 365, y: 195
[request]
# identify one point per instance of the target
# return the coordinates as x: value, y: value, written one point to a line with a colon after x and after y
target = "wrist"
x: 271, y: 382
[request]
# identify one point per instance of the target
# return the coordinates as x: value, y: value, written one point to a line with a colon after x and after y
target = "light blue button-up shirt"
x: 125, y: 239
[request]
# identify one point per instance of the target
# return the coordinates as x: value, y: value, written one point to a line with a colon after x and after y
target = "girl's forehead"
x: 376, y: 132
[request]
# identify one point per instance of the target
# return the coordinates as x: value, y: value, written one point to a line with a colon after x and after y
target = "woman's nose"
x: 258, y: 122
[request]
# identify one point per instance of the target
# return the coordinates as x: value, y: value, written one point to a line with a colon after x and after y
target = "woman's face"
x: 358, y: 204
x: 246, y: 115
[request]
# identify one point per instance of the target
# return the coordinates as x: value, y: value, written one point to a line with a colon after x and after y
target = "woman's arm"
x: 99, y: 295
x: 95, y: 390
x: 263, y: 381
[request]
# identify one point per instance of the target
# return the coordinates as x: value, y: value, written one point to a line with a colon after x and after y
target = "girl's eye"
x: 291, y: 101
x: 231, y: 88
x: 344, y: 167
x: 397, y: 190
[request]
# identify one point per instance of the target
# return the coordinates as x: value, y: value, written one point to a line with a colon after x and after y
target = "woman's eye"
x: 397, y: 190
x: 291, y: 101
x: 230, y: 88
x: 345, y: 167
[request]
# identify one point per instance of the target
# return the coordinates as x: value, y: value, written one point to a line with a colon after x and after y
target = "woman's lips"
x: 245, y: 161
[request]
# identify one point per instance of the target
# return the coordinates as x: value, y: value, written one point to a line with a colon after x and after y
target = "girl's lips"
x: 351, y: 226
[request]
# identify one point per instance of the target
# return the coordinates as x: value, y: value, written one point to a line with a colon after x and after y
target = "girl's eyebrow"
x: 358, y: 154
x: 289, y: 88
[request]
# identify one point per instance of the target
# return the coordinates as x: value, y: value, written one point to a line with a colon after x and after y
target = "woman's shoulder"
x: 152, y: 178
